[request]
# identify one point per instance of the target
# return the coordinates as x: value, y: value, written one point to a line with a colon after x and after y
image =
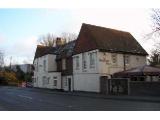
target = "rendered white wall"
x: 107, y: 67
x: 87, y: 82
x: 88, y: 70
x: 50, y: 66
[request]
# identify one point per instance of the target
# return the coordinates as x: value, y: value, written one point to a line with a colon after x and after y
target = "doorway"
x: 69, y: 84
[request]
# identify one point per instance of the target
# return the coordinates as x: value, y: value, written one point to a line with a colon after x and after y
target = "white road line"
x: 25, y: 96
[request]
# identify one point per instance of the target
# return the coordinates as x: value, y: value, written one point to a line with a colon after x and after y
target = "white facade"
x: 45, y: 75
x: 87, y: 72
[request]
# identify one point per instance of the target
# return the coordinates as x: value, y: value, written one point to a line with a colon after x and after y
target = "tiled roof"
x: 141, y: 70
x: 65, y: 50
x: 105, y: 39
x: 43, y: 50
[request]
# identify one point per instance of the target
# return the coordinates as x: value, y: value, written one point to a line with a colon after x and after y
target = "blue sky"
x: 17, y: 26
x: 20, y: 28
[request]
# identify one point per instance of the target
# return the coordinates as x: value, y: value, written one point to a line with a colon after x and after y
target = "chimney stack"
x: 60, y: 41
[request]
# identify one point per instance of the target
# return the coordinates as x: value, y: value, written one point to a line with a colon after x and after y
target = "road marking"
x: 25, y: 96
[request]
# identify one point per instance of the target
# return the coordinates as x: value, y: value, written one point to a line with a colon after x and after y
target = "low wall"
x: 145, y: 88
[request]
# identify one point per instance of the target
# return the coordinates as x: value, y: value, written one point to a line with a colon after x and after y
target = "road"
x: 31, y: 99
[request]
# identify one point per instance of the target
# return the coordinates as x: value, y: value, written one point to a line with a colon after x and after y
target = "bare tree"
x: 50, y: 39
x: 68, y: 36
x: 47, y: 40
x: 155, y: 26
x: 155, y: 17
x: 154, y: 58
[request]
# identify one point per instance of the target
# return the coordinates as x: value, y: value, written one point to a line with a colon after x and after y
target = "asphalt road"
x: 31, y: 99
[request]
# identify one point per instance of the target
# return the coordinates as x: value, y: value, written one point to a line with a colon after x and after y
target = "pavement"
x: 35, y: 99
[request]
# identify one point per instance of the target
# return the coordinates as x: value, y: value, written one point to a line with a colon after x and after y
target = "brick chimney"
x: 60, y: 41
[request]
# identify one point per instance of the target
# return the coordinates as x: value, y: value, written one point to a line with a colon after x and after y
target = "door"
x: 69, y: 84
x: 104, y: 85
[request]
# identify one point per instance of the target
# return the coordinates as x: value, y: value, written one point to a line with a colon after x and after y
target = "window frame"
x: 84, y: 61
x: 127, y: 59
x: 44, y: 65
x: 114, y: 58
x: 77, y: 62
x: 92, y: 59
x: 55, y: 82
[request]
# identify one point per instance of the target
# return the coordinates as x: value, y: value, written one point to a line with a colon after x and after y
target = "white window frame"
x: 114, y: 58
x: 127, y: 59
x: 55, y: 82
x: 45, y: 80
x: 48, y: 80
x: 37, y: 65
x: 77, y: 62
x: 66, y: 82
x: 92, y: 59
x: 84, y: 61
x: 44, y: 65
x: 35, y: 80
x: 55, y: 79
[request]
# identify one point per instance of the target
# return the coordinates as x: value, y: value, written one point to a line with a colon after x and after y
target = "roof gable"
x: 106, y: 39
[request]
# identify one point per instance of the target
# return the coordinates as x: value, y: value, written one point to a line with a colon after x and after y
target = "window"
x: 55, y: 82
x: 37, y: 65
x: 92, y: 60
x: 44, y: 65
x: 55, y: 77
x: 35, y: 80
x: 63, y: 64
x: 45, y: 80
x: 127, y: 60
x: 114, y: 58
x: 77, y: 62
x: 65, y: 82
x: 137, y: 58
x: 84, y: 65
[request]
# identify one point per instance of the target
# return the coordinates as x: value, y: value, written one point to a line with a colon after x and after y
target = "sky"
x: 20, y: 28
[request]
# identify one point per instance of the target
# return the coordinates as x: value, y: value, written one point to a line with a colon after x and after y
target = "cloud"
x: 22, y: 50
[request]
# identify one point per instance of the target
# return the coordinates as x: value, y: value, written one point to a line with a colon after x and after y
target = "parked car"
x: 29, y: 84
